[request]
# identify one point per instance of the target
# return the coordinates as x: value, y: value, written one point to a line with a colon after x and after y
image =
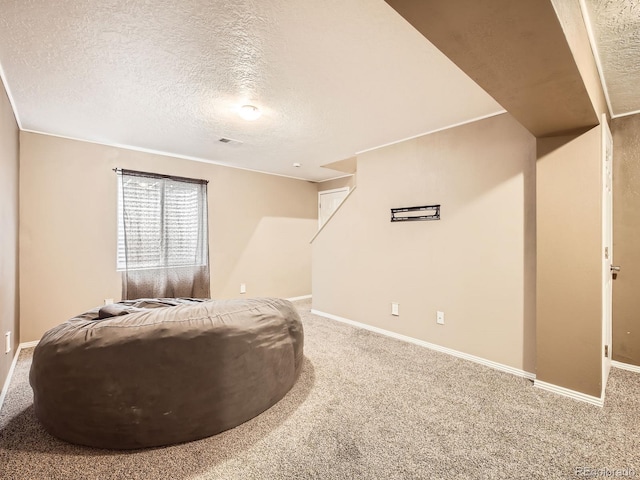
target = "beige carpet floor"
x: 365, y: 407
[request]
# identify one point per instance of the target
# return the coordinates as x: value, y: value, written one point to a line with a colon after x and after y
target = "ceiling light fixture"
x: 249, y: 112
x: 297, y: 165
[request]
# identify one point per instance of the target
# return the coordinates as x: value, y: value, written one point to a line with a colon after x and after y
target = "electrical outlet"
x: 108, y: 301
x: 7, y: 342
x: 440, y: 318
x: 395, y: 309
x: 243, y: 288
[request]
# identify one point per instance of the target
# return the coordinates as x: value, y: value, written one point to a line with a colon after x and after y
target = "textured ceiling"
x: 616, y: 27
x: 332, y: 77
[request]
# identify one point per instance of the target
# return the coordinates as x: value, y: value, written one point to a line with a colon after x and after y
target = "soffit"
x: 348, y: 165
x: 515, y: 50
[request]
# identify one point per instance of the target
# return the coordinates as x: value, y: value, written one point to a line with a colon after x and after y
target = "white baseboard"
x: 432, y: 346
x: 625, y: 366
x: 303, y: 297
x: 583, y: 397
x: 5, y: 388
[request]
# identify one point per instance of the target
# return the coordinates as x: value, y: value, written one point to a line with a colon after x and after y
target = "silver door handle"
x: 615, y: 269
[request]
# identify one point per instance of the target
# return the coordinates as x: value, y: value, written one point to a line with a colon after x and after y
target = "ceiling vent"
x: 229, y: 141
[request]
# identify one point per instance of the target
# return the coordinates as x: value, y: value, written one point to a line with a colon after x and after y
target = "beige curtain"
x: 163, y: 236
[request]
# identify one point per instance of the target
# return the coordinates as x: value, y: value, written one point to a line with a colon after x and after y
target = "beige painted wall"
x: 569, y: 262
x: 539, y: 65
x: 9, y: 171
x: 259, y: 227
x: 477, y: 264
x: 569, y: 223
x: 626, y: 232
x: 349, y: 181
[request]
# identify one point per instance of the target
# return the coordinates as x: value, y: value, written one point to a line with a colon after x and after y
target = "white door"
x: 607, y: 241
x: 328, y: 202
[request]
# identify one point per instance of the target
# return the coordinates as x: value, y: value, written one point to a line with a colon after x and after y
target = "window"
x: 162, y: 221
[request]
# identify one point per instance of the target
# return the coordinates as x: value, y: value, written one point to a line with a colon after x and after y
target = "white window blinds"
x: 162, y: 221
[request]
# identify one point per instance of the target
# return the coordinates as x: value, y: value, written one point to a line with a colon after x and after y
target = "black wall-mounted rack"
x: 414, y: 214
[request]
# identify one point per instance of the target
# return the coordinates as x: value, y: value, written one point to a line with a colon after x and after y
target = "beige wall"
x: 626, y: 235
x: 569, y: 262
x: 477, y: 264
x: 349, y: 181
x: 9, y: 293
x: 260, y: 226
x: 539, y: 65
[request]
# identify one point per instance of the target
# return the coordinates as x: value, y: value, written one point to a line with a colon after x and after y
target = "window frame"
x: 164, y: 257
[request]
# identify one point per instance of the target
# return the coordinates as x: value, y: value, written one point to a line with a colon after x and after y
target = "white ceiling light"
x: 249, y: 112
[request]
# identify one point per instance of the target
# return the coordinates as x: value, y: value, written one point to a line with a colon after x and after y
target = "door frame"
x: 324, y: 192
x: 607, y: 254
